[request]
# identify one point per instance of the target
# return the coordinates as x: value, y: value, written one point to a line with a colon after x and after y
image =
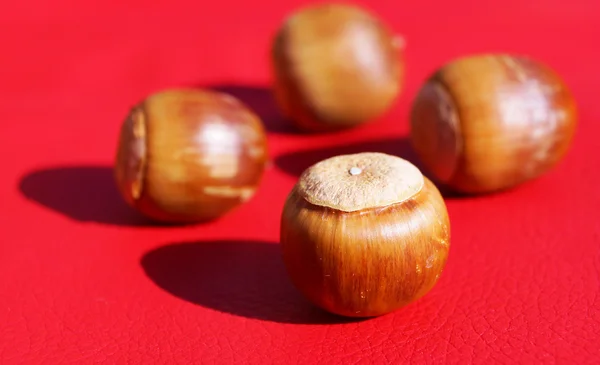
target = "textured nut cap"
x: 360, y: 181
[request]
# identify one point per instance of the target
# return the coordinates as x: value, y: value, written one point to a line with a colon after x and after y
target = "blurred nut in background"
x: 188, y: 155
x: 489, y: 122
x: 335, y: 67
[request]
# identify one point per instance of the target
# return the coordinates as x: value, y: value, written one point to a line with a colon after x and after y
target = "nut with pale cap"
x: 364, y: 234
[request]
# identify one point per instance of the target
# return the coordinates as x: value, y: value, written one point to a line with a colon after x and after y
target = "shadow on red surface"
x: 296, y: 162
x: 83, y: 193
x: 262, y: 101
x: 245, y: 278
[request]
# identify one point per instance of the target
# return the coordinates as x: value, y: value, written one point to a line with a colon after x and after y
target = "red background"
x: 83, y: 279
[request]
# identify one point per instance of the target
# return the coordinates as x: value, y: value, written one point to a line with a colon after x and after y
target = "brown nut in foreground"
x: 335, y: 66
x: 188, y: 155
x: 364, y: 234
x: 490, y: 122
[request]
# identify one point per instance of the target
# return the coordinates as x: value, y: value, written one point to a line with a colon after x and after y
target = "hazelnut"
x: 187, y: 155
x: 490, y: 122
x: 335, y: 67
x: 364, y: 234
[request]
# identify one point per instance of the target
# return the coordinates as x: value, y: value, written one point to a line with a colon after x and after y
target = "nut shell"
x: 490, y: 122
x: 370, y: 261
x: 189, y: 155
x: 335, y: 66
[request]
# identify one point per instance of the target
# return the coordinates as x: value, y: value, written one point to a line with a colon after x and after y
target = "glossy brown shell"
x: 369, y: 262
x: 335, y: 66
x: 490, y: 122
x: 188, y: 155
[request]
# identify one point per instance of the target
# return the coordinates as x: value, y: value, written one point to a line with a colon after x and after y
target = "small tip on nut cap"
x: 360, y: 181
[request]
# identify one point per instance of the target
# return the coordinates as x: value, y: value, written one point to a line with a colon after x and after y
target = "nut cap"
x: 360, y: 181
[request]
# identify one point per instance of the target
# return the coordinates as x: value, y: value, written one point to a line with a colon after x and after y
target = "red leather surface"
x: 83, y: 279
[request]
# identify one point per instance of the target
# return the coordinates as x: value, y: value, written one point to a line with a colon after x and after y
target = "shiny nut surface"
x: 189, y: 155
x: 335, y: 66
x: 489, y: 122
x: 363, y: 235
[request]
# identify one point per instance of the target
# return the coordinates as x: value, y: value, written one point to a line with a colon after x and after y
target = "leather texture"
x: 86, y: 280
